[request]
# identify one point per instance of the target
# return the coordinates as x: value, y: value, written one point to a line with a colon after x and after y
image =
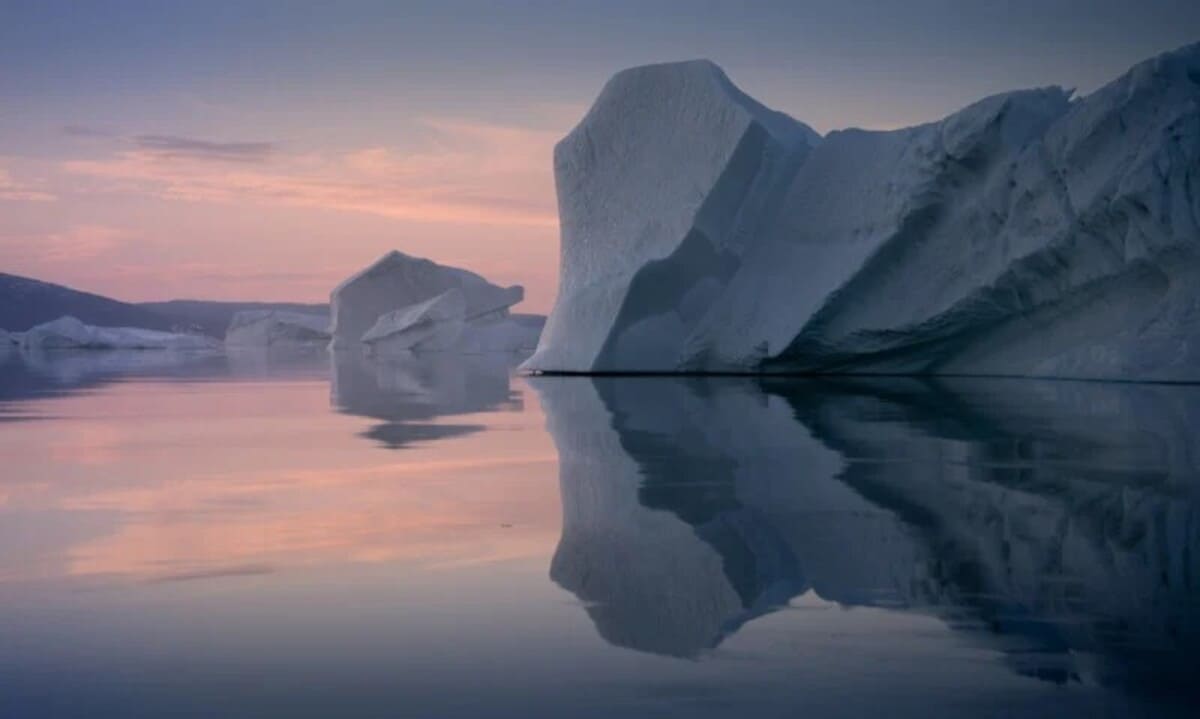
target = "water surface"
x: 299, y: 535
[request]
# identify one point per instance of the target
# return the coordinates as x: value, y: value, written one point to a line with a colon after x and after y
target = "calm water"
x: 254, y: 535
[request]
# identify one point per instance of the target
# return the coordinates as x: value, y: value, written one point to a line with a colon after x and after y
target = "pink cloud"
x: 466, y: 172
x: 78, y: 243
x: 13, y: 191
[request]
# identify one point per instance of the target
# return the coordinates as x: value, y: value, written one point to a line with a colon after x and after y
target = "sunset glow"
x: 159, y: 150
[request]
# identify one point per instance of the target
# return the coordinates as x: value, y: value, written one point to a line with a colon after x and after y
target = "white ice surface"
x: 70, y: 333
x: 499, y: 334
x: 440, y: 324
x: 266, y: 328
x: 432, y: 325
x: 1027, y: 234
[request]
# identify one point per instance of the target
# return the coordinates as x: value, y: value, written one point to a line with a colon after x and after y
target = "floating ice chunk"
x: 440, y: 324
x: 397, y: 281
x: 265, y: 328
x: 433, y: 325
x: 70, y: 333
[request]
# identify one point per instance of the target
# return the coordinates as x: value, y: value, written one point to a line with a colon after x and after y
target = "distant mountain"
x: 26, y: 302
x: 212, y: 318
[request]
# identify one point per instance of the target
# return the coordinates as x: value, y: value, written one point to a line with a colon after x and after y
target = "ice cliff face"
x: 661, y: 190
x: 1028, y: 234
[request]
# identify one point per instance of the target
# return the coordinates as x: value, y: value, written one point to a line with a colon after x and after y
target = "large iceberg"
x: 397, y: 281
x: 1029, y: 234
x: 268, y: 328
x: 70, y: 333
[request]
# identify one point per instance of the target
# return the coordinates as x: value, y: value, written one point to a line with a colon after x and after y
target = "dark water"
x: 279, y: 535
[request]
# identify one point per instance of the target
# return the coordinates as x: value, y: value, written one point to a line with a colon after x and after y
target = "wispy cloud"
x: 78, y: 243
x: 14, y: 191
x: 87, y: 131
x: 466, y: 172
x: 189, y: 148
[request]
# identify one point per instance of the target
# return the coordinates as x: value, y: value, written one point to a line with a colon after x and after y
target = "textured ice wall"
x: 1028, y: 234
x: 661, y: 188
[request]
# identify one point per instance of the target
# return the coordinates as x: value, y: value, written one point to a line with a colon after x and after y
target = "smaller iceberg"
x: 409, y: 304
x: 271, y: 328
x: 398, y: 281
x: 70, y: 333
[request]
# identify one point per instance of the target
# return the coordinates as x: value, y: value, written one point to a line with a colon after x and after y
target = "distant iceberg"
x: 70, y: 333
x: 409, y: 304
x: 1029, y: 234
x: 267, y: 328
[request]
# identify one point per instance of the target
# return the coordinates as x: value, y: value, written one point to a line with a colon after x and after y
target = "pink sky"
x: 143, y: 218
x: 267, y: 150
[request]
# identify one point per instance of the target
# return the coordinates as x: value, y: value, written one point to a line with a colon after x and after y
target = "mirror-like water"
x: 258, y: 535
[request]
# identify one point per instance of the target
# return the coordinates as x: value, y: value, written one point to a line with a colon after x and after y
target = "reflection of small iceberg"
x: 30, y: 373
x: 408, y: 391
x: 1055, y: 522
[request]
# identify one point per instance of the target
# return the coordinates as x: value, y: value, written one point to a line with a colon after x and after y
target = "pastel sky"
x: 265, y: 150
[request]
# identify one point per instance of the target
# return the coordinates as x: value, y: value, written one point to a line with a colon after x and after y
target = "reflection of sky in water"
x: 237, y: 536
x: 222, y: 474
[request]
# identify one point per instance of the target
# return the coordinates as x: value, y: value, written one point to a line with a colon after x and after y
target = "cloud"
x: 174, y: 147
x: 13, y: 191
x: 78, y: 243
x: 86, y: 131
x: 464, y: 172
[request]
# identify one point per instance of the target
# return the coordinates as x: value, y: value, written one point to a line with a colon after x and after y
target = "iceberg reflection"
x: 1055, y: 522
x: 409, y: 391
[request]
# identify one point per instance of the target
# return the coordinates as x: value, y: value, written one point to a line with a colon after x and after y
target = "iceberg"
x: 398, y: 282
x: 1029, y: 234
x: 70, y: 333
x: 267, y: 328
